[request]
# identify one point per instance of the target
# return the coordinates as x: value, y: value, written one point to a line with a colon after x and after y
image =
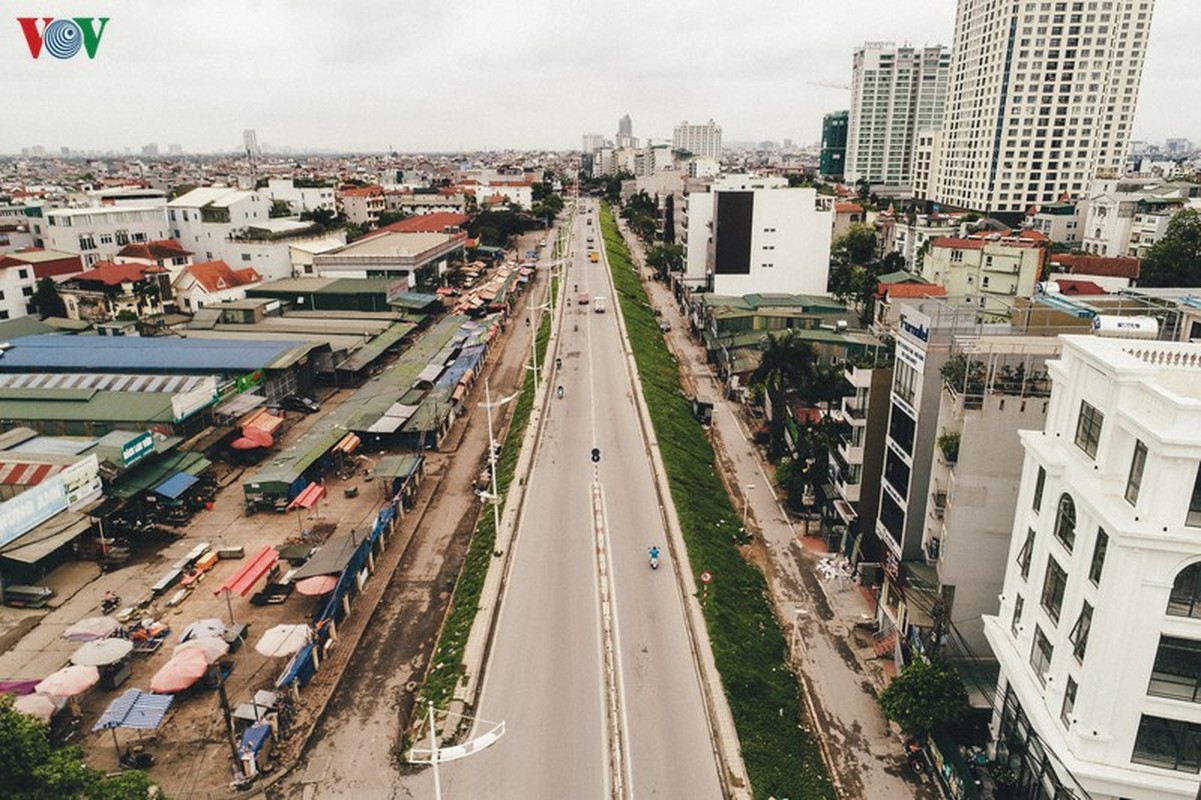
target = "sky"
x: 414, y: 75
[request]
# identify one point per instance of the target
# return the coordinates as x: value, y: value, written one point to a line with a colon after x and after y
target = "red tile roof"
x: 111, y: 274
x: 428, y: 223
x: 155, y: 251
x: 847, y: 208
x: 1097, y: 265
x: 67, y: 265
x: 979, y: 242
x: 959, y: 244
x: 213, y: 276
x: 1070, y: 286
x: 365, y: 191
x: 885, y: 290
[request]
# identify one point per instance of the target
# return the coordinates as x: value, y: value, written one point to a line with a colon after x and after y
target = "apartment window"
x: 1169, y: 744
x: 1040, y: 655
x: 1026, y: 553
x: 1185, y: 599
x: 1177, y: 670
x: 956, y: 256
x: 87, y: 243
x: 1098, y: 561
x: 1193, y: 519
x: 1088, y: 429
x: 1134, y: 480
x: 1069, y: 702
x: 122, y: 237
x: 904, y: 381
x: 901, y: 429
x: 1039, y: 483
x: 1065, y: 522
x: 1055, y: 581
x: 1079, y: 635
x: 1018, y: 605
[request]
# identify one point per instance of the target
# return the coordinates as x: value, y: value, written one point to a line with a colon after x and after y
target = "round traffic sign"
x: 706, y: 577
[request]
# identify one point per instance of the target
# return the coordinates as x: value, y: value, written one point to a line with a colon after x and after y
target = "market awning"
x: 254, y: 738
x: 151, y: 473
x: 309, y: 497
x: 135, y: 709
x: 34, y: 545
x: 262, y: 420
x: 397, y: 466
x: 239, y: 405
x: 249, y: 573
x: 332, y: 558
x: 176, y: 485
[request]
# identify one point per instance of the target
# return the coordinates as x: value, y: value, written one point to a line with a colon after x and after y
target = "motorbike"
x: 915, y: 756
x: 109, y: 603
x: 654, y: 557
x: 559, y: 391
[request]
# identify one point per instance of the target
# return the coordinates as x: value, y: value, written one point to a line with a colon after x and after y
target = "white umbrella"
x: 92, y: 628
x: 283, y: 640
x: 69, y: 681
x: 203, y: 627
x: 36, y: 705
x: 102, y: 652
x: 212, y: 647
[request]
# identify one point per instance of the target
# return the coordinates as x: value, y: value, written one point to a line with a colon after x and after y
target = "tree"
x: 858, y: 243
x: 665, y: 257
x: 33, y: 769
x: 1175, y: 260
x: 925, y: 696
x: 496, y: 228
x: 388, y: 217
x: 47, y: 301
x: 788, y: 363
x: 279, y: 208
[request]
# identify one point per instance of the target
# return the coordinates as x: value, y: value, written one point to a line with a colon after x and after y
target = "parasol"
x: 36, y: 705
x: 183, y: 670
x: 317, y: 585
x: 92, y: 628
x: 203, y: 627
x: 102, y: 652
x: 283, y: 640
x: 69, y: 681
x: 212, y: 647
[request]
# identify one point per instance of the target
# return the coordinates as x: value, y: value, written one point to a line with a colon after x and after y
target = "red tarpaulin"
x: 309, y: 497
x: 259, y: 436
x: 348, y: 445
x: 249, y: 574
x: 242, y: 443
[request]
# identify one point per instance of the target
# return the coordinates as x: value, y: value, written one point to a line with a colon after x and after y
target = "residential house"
x: 200, y: 285
x: 111, y: 291
x: 362, y: 205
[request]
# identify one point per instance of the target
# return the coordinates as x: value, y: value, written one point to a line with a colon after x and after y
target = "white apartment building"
x: 1062, y: 223
x: 899, y: 233
x: 363, y: 205
x: 703, y: 141
x: 96, y: 234
x: 1099, y: 630
x: 1041, y: 99
x: 1126, y: 216
x: 896, y: 92
x: 301, y: 198
x: 979, y: 266
x: 926, y: 148
x: 758, y: 235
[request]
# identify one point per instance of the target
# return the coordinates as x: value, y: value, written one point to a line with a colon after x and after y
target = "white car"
x: 598, y: 305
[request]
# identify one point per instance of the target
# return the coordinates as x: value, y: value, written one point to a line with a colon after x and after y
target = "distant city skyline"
x: 313, y: 77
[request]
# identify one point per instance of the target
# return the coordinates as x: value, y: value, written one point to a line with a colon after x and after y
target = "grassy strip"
x: 447, y: 667
x: 782, y: 758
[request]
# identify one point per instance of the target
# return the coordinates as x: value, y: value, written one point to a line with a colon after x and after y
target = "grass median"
x: 782, y: 758
x: 447, y: 665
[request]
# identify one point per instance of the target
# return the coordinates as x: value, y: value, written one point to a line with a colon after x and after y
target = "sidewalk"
x: 841, y: 676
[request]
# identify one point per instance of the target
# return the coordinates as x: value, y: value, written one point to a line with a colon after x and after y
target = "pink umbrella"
x: 243, y: 443
x: 36, y: 705
x: 212, y: 647
x: 185, y: 668
x: 317, y: 585
x: 69, y: 681
x: 91, y: 628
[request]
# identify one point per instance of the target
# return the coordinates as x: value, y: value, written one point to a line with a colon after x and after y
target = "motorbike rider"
x: 653, y: 552
x: 560, y: 391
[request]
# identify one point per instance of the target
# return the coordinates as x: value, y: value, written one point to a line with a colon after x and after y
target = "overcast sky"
x: 451, y: 75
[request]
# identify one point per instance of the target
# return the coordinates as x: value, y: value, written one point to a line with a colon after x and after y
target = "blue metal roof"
x: 135, y: 709
x: 49, y: 352
x: 176, y: 485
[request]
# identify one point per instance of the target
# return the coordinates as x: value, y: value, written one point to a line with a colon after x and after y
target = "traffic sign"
x: 706, y: 577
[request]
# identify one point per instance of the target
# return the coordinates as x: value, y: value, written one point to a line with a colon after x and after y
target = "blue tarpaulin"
x: 254, y: 738
x: 176, y: 485
x: 135, y: 709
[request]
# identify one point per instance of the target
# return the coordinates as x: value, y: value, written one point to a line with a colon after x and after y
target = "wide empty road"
x: 596, y: 705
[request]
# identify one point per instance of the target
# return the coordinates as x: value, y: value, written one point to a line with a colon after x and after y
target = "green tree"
x: 1175, y: 260
x: 496, y: 228
x: 47, y: 301
x: 665, y: 257
x: 788, y: 363
x: 33, y: 769
x: 858, y: 244
x: 388, y: 217
x: 279, y: 208
x: 925, y: 696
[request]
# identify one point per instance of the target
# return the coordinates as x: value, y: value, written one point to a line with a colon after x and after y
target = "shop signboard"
x: 137, y: 448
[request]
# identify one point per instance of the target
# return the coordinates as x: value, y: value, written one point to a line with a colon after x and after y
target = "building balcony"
x: 938, y: 503
x: 1004, y: 267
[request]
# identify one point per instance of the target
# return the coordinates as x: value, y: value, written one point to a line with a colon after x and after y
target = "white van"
x: 598, y: 305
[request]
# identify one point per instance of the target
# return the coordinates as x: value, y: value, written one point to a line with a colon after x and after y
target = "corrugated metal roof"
x: 135, y: 407
x: 48, y: 352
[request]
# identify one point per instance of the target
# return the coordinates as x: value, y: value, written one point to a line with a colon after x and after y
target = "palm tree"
x: 788, y: 363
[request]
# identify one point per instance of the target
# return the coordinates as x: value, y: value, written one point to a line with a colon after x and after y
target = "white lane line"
x: 618, y: 783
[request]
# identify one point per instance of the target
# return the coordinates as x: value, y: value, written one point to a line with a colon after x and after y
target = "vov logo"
x: 63, y: 38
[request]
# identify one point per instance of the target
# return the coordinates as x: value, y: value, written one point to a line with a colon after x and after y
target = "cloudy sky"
x: 449, y: 75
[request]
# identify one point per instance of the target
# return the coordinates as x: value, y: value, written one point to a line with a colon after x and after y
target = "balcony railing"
x: 938, y: 503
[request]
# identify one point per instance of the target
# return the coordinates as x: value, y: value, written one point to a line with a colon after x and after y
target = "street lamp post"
x: 797, y: 613
x: 488, y: 404
x: 746, y: 501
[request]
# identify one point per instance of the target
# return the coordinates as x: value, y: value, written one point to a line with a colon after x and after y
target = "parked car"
x: 298, y: 402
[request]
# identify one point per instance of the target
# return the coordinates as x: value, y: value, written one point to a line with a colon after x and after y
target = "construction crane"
x: 829, y: 85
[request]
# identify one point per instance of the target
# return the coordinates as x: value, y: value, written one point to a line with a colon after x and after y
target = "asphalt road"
x: 575, y: 727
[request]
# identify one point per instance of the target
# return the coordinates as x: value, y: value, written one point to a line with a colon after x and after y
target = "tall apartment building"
x: 1099, y: 630
x: 625, y: 133
x: 834, y: 144
x: 703, y: 141
x: 896, y: 92
x: 591, y: 142
x: 1041, y: 99
x: 250, y: 142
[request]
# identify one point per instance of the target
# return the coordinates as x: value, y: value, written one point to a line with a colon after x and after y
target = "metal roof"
x: 47, y: 352
x: 100, y: 381
x: 137, y: 407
